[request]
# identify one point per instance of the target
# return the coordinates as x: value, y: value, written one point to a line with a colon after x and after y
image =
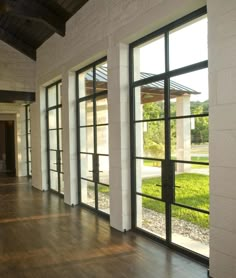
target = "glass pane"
x: 148, y: 177
x: 101, y: 77
x: 52, y: 118
x: 190, y: 139
x: 188, y: 44
x: 102, y: 110
x: 53, y: 160
x: 150, y: 216
x: 29, y: 140
x: 86, y: 166
x: 189, y: 93
x: 88, y: 193
x: 29, y: 153
x: 149, y: 58
x: 150, y: 139
x: 53, y: 139
x: 59, y: 117
x: 59, y: 93
x: 103, y: 198
x: 60, y: 139
x: 86, y: 112
x: 54, y: 180
x: 86, y: 139
x: 190, y: 229
x: 61, y: 161
x: 103, y: 169
x: 62, y: 183
x: 102, y: 140
x: 149, y: 103
x: 52, y: 96
x: 86, y: 83
x: 192, y: 185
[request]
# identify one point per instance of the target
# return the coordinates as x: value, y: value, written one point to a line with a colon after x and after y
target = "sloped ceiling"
x: 26, y: 24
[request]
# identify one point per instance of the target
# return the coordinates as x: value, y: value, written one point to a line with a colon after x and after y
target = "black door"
x: 10, y: 148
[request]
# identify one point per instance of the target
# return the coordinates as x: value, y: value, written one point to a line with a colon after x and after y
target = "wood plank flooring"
x: 40, y: 236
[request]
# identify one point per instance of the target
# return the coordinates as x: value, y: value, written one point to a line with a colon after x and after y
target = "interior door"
x: 10, y: 148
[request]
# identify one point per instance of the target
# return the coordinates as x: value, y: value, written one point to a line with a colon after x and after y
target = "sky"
x: 188, y: 45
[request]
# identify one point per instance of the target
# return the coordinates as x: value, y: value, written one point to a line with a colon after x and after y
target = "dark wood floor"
x: 42, y: 237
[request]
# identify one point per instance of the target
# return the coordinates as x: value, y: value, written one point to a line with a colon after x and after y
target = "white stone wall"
x: 101, y: 27
x: 222, y: 78
x: 17, y: 72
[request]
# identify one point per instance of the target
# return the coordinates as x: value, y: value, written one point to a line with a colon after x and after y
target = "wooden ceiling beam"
x: 33, y: 10
x: 18, y: 44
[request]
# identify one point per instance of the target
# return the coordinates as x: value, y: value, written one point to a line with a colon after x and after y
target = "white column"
x: 119, y: 147
x: 39, y: 140
x: 69, y: 142
x: 183, y: 133
x: 139, y: 139
x: 222, y: 128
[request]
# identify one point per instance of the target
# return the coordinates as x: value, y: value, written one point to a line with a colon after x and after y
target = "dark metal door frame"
x: 28, y: 143
x: 168, y: 165
x: 58, y: 162
x: 96, y: 171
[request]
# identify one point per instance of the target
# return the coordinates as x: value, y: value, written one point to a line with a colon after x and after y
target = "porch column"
x: 183, y: 133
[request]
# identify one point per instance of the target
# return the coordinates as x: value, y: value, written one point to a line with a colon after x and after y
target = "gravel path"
x: 155, y: 222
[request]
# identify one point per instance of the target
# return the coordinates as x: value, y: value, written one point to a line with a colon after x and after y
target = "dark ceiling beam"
x: 79, y: 4
x: 33, y: 10
x: 17, y: 96
x: 17, y: 44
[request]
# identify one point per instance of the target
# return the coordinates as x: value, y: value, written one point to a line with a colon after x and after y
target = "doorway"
x: 93, y: 152
x: 54, y: 138
x: 169, y: 135
x: 7, y: 148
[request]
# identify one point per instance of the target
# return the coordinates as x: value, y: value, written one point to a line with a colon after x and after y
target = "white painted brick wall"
x: 101, y: 22
x: 222, y: 68
x: 98, y: 29
x: 17, y: 72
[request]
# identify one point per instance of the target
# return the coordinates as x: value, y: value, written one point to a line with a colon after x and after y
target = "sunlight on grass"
x: 193, y: 192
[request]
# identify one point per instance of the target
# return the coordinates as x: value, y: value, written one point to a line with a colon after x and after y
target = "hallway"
x: 42, y: 237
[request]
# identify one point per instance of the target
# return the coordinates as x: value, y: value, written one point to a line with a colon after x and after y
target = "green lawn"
x: 193, y: 191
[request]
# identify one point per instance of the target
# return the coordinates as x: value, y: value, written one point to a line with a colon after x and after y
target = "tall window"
x: 169, y: 117
x: 93, y: 152
x: 28, y: 140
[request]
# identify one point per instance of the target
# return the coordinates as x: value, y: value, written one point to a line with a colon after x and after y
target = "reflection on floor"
x: 40, y: 236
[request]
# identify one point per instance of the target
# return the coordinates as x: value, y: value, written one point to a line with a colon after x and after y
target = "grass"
x: 193, y: 191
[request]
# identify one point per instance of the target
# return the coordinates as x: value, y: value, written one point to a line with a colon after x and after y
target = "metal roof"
x: 101, y: 76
